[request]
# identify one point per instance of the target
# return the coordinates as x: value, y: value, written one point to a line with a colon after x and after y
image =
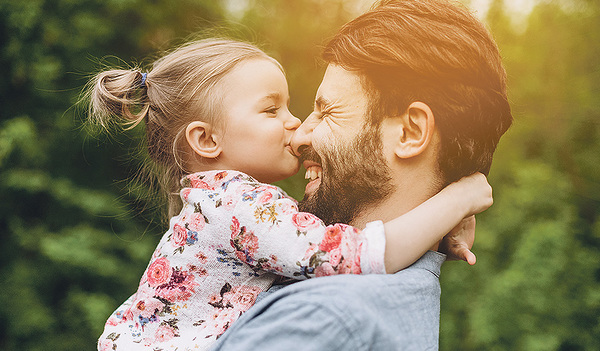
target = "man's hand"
x: 458, y: 243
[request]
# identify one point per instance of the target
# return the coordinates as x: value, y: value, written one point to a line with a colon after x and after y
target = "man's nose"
x: 302, y: 137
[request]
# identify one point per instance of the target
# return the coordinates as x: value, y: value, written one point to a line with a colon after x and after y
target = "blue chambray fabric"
x: 347, y: 312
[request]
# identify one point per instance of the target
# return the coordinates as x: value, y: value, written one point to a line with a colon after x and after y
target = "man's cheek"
x: 323, y: 138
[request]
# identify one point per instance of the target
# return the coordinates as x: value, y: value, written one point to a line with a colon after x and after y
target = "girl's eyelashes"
x: 272, y: 110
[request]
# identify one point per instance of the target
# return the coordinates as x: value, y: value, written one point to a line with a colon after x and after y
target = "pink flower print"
x: 242, y: 297
x: 324, y: 270
x: 147, y: 307
x: 220, y: 176
x: 221, y: 320
x: 345, y: 267
x: 250, y: 242
x: 179, y: 235
x: 349, y: 266
x: 214, y: 299
x: 201, y: 257
x: 247, y: 247
x: 335, y: 256
x: 287, y: 207
x: 266, y: 188
x: 112, y: 321
x: 197, y: 222
x: 105, y: 345
x: 356, y: 267
x: 159, y: 272
x: 127, y: 315
x: 180, y: 287
x: 199, y: 184
x: 332, y: 238
x: 235, y: 227
x: 185, y: 193
x: 243, y: 189
x: 312, y: 248
x: 305, y: 221
x: 200, y: 272
x: 164, y: 333
x: 265, y: 197
x: 229, y: 200
x: 350, y: 248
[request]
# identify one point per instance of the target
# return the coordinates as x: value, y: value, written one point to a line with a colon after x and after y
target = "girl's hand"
x: 473, y: 192
x: 457, y: 244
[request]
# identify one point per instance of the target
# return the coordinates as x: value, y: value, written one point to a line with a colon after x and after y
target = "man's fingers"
x: 466, y: 255
x: 470, y: 257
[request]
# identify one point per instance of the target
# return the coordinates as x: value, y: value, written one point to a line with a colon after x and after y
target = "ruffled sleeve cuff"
x: 373, y: 249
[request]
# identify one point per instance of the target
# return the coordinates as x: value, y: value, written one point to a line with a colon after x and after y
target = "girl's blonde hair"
x: 182, y: 86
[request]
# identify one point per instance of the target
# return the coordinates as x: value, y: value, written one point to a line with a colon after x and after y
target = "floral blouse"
x: 232, y: 239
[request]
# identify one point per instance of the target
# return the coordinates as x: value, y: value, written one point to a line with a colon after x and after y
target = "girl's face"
x: 258, y: 125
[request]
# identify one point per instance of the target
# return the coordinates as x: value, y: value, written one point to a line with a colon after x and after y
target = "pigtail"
x: 180, y: 88
x: 118, y: 97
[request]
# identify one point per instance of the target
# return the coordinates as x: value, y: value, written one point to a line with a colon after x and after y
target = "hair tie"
x: 143, y: 83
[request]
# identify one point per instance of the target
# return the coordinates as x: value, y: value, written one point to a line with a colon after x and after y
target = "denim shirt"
x: 374, y: 312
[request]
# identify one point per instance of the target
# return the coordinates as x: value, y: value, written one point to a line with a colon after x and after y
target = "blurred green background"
x: 76, y: 234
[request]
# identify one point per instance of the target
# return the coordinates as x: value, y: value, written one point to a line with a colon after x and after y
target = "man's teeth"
x: 313, y: 173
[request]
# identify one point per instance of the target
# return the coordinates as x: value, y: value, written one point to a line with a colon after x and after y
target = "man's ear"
x: 202, y: 140
x: 417, y: 127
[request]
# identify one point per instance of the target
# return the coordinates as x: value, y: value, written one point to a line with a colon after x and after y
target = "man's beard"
x: 355, y: 176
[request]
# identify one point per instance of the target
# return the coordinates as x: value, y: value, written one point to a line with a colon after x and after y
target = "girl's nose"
x: 292, y: 122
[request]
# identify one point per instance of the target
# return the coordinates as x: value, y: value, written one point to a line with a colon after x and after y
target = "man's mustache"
x: 307, y: 153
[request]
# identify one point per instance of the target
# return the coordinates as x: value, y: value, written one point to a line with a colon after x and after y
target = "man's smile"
x: 314, y: 169
x: 313, y: 174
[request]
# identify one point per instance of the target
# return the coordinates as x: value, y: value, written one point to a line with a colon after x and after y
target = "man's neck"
x: 405, y: 198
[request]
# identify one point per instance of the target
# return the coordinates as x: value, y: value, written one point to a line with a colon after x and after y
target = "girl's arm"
x: 267, y: 231
x: 410, y: 235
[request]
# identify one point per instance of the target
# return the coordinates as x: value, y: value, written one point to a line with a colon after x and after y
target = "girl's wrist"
x: 457, y: 196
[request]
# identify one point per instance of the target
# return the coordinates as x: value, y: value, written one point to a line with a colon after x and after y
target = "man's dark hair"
x: 436, y: 52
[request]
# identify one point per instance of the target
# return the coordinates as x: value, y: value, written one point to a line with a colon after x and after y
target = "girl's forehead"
x: 257, y: 76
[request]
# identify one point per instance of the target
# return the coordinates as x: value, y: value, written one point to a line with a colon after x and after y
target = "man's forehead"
x: 339, y: 86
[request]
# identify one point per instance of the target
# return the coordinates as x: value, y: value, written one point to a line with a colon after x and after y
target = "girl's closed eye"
x: 272, y: 111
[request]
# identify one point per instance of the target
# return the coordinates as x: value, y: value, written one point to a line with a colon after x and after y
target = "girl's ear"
x: 417, y: 128
x: 202, y: 140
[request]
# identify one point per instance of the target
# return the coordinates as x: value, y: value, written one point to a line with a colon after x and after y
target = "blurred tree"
x: 76, y: 235
x: 536, y: 284
x: 72, y: 248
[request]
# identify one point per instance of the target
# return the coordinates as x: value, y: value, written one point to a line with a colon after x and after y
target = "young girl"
x: 217, y: 120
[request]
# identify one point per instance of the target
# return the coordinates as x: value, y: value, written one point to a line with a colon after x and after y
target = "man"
x: 413, y: 98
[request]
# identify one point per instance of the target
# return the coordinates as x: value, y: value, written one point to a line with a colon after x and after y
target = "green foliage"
x: 76, y: 235
x: 536, y: 283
